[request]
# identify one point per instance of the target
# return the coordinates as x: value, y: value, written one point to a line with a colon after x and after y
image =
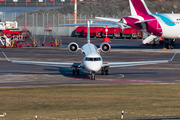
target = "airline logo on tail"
x: 138, y: 7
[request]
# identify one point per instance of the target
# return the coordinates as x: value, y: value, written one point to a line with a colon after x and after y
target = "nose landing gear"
x: 92, y: 75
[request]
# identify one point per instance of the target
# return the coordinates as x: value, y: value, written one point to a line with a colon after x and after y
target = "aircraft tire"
x: 73, y: 72
x: 106, y: 71
x: 102, y: 72
x: 78, y: 72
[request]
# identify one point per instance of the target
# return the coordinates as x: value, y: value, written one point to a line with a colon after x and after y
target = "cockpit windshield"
x: 92, y: 59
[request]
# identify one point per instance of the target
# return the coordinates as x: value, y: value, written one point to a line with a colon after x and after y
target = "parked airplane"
x: 92, y: 60
x: 158, y: 25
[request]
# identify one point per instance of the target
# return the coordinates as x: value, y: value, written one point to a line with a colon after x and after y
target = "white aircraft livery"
x: 92, y: 60
x: 158, y: 25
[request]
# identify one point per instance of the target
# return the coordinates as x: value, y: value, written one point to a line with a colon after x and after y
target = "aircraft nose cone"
x: 93, y: 67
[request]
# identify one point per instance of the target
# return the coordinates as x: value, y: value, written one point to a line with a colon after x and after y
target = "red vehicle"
x: 16, y: 34
x: 11, y: 33
x: 112, y: 32
x: 79, y: 31
x: 94, y: 32
x: 131, y: 33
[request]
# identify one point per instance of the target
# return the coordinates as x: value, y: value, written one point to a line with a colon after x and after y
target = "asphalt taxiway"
x: 19, y: 75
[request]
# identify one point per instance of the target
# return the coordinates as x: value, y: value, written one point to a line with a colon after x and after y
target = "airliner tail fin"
x: 138, y: 7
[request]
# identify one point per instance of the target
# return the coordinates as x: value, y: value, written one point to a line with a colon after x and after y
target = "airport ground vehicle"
x: 113, y: 32
x: 79, y: 31
x: 11, y: 36
x: 8, y: 25
x: 94, y: 31
x: 132, y: 33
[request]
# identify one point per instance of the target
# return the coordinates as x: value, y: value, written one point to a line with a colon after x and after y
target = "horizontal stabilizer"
x: 144, y: 21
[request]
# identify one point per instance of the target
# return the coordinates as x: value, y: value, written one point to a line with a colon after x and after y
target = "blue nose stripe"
x: 166, y: 19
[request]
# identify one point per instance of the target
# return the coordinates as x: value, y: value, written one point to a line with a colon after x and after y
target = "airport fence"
x: 39, y: 21
x: 53, y: 19
x: 42, y: 2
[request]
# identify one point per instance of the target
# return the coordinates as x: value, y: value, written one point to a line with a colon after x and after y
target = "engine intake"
x: 105, y: 47
x: 73, y: 47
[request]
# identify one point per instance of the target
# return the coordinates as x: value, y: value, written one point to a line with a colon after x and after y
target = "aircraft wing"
x: 126, y: 64
x: 54, y: 64
x: 108, y: 19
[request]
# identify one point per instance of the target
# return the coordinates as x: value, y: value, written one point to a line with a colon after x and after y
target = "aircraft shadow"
x: 84, y: 74
x: 67, y: 72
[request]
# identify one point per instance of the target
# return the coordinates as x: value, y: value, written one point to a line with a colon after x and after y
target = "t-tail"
x: 88, y: 32
x: 138, y: 7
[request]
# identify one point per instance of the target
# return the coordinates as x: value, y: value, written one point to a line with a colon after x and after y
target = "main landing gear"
x: 170, y: 43
x: 75, y: 71
x: 104, y: 70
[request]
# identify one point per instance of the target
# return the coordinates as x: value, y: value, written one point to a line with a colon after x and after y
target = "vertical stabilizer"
x: 138, y: 7
x: 88, y: 32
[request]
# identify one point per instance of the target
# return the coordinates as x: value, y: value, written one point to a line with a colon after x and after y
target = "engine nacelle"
x: 73, y: 47
x: 105, y: 47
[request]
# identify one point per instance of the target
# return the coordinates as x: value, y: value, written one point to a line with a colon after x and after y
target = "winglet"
x: 173, y: 57
x: 5, y: 56
x: 91, y: 20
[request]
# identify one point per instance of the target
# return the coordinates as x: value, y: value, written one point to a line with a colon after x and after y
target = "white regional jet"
x: 92, y: 60
x: 158, y: 25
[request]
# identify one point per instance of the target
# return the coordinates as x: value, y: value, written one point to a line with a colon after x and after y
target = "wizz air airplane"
x: 158, y: 25
x: 92, y: 60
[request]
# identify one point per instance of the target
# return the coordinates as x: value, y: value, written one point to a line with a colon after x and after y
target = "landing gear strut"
x: 170, y: 44
x: 104, y: 70
x: 93, y: 76
x: 75, y: 71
